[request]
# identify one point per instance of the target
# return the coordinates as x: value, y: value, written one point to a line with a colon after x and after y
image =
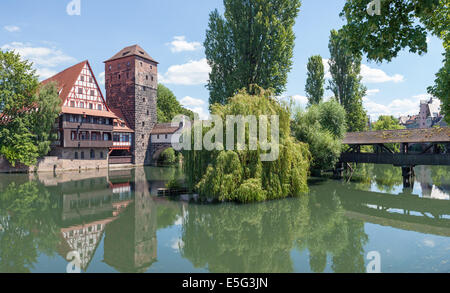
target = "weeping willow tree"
x: 241, y: 175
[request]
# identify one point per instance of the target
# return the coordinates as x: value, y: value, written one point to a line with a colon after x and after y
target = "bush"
x: 322, y: 127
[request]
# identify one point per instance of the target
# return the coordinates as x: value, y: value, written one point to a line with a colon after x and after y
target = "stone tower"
x: 131, y: 82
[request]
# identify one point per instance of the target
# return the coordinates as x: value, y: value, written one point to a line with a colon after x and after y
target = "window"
x: 101, y: 155
x: 81, y: 105
x: 76, y: 155
x: 128, y: 63
x: 100, y: 107
x: 151, y: 67
x: 92, y: 92
x: 82, y: 155
x: 146, y: 77
x: 74, y: 135
x: 143, y: 136
x: 91, y: 106
x: 92, y: 154
x: 152, y: 78
x: 166, y: 136
x: 80, y: 90
x: 72, y: 104
x: 119, y: 76
x: 90, y: 79
x: 110, y: 67
x: 141, y: 64
x: 82, y: 78
x: 157, y: 136
x: 143, y: 100
x: 94, y: 136
x: 148, y: 112
x: 143, y: 124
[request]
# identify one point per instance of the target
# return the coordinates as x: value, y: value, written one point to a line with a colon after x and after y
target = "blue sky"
x: 173, y: 31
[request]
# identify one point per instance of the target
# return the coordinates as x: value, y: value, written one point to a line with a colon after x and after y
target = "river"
x: 115, y: 222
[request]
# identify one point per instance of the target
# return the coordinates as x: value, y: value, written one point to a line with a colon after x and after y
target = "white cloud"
x: 191, y: 73
x: 179, y: 44
x: 429, y: 243
x: 372, y: 92
x: 397, y: 107
x: 45, y: 73
x: 177, y: 244
x: 369, y: 75
x: 101, y: 78
x: 373, y: 75
x: 44, y: 58
x: 40, y: 56
x: 196, y: 105
x: 12, y: 28
x: 326, y: 68
x: 189, y: 101
x: 302, y: 100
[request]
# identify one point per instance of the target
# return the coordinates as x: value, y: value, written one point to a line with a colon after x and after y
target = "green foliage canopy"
x: 251, y: 44
x: 241, y: 175
x: 345, y: 68
x: 168, y: 106
x: 316, y: 80
x: 27, y: 111
x: 322, y: 127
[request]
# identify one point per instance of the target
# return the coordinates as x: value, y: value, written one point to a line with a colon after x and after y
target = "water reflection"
x: 115, y: 216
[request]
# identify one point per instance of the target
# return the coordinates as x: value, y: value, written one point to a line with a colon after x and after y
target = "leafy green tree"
x: 388, y: 123
x: 168, y: 106
x: 241, y: 175
x: 251, y: 44
x: 402, y: 24
x: 27, y: 112
x: 167, y: 157
x: 345, y: 68
x: 316, y: 80
x: 322, y: 127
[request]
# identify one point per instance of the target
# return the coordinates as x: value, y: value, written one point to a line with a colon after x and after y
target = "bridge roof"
x: 424, y: 135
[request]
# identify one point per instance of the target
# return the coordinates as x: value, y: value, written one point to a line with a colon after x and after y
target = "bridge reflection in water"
x: 116, y: 216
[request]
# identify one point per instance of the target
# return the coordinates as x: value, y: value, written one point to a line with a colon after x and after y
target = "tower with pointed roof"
x: 131, y: 81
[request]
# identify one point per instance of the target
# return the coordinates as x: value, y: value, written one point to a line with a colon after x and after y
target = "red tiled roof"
x: 66, y: 79
x: 90, y: 112
x: 134, y: 50
x: 164, y: 128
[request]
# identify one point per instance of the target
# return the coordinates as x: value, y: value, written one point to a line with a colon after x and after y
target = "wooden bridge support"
x: 408, y: 176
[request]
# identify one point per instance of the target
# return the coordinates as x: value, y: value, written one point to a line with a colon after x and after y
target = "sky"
x: 55, y: 35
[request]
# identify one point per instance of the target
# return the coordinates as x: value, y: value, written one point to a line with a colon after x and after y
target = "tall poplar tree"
x: 251, y: 44
x: 345, y: 68
x: 315, y: 81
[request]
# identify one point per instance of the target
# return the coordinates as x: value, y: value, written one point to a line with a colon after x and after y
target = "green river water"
x: 116, y: 222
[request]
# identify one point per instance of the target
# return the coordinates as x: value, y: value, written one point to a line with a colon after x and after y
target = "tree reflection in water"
x: 260, y: 237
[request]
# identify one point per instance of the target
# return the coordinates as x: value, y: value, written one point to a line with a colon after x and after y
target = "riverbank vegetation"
x: 242, y: 176
x: 27, y: 111
x: 322, y: 126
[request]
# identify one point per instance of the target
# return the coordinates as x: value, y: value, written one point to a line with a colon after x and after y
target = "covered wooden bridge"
x: 434, y: 150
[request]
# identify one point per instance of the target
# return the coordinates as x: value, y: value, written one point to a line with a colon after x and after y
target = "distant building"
x: 429, y: 116
x: 429, y: 113
x: 409, y: 121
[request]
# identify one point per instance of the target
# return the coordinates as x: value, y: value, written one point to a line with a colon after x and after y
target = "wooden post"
x: 408, y: 176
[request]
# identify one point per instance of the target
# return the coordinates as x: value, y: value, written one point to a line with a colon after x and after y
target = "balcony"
x: 88, y: 143
x: 86, y: 126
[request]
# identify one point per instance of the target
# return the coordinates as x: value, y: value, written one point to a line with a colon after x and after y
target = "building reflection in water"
x: 434, y: 182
